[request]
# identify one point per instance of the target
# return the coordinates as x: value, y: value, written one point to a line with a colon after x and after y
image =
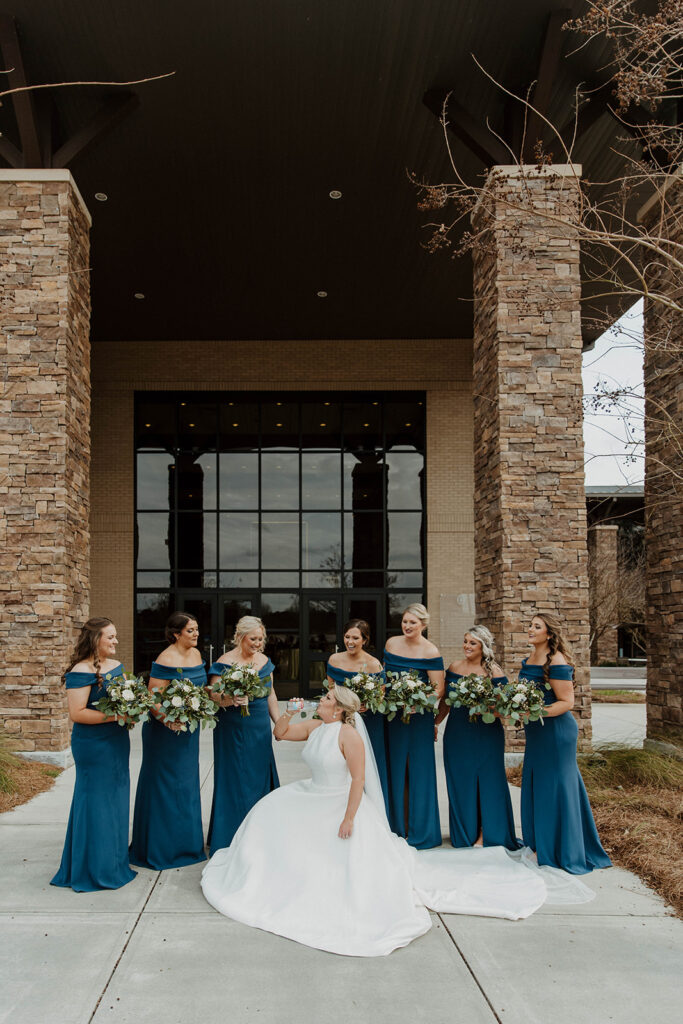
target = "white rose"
x: 369, y: 685
x: 114, y: 691
x: 463, y: 687
x: 186, y: 687
x: 177, y: 702
x: 128, y: 694
x: 411, y: 683
x: 357, y: 679
x: 518, y: 698
x: 194, y: 703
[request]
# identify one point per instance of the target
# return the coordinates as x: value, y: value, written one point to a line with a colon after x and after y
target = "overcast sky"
x: 616, y: 361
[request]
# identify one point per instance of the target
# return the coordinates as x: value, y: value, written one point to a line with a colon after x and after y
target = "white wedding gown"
x: 286, y: 871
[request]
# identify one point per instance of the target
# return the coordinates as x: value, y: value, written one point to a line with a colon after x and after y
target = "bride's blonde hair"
x: 348, y: 701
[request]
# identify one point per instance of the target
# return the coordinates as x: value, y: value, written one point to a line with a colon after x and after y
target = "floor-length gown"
x: 167, y: 820
x: 557, y: 821
x: 95, y: 852
x: 243, y: 762
x: 411, y: 761
x: 375, y: 723
x: 478, y: 791
x: 288, y: 872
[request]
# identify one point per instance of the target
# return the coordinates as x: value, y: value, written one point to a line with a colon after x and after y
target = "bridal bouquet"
x: 241, y: 681
x: 478, y: 694
x: 410, y: 695
x: 369, y: 689
x: 188, y: 704
x: 520, y: 700
x: 129, y: 701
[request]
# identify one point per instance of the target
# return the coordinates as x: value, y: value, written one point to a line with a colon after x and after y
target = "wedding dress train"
x: 286, y: 871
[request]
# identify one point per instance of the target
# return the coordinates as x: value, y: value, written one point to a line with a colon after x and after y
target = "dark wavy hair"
x: 176, y: 624
x: 556, y: 641
x: 87, y: 644
x: 362, y: 627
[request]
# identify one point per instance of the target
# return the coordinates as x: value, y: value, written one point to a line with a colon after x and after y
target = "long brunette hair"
x: 87, y: 644
x: 556, y: 641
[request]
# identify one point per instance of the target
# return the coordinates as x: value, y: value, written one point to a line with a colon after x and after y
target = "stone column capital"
x: 44, y: 175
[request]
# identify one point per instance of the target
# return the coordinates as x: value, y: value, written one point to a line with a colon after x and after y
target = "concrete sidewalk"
x: 155, y: 952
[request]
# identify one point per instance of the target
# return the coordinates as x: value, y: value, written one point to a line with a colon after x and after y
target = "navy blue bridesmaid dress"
x: 557, y: 821
x: 376, y: 726
x: 411, y: 762
x: 478, y: 792
x: 96, y: 846
x: 167, y: 820
x: 243, y: 763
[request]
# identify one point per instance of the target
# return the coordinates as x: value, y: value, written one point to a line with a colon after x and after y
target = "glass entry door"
x: 369, y: 607
x: 321, y: 633
x: 203, y: 609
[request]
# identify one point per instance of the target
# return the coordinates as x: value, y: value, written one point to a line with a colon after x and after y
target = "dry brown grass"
x: 25, y: 780
x: 618, y: 696
x: 637, y: 801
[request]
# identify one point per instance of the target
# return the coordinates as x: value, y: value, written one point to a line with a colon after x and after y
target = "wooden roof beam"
x: 113, y: 110
x: 485, y: 146
x: 548, y: 67
x: 23, y: 101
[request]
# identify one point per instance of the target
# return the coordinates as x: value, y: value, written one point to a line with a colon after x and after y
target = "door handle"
x: 210, y: 654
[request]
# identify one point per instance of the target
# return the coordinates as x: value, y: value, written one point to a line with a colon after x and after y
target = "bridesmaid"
x: 243, y: 760
x: 413, y: 802
x: 96, y: 847
x: 167, y: 820
x: 347, y: 663
x: 557, y: 821
x: 479, y: 805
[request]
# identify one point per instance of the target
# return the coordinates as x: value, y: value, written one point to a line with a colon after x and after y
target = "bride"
x: 315, y: 861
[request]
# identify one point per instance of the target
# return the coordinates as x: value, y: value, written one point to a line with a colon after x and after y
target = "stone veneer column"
x: 529, y: 499
x: 663, y: 489
x: 44, y: 450
x: 603, y: 572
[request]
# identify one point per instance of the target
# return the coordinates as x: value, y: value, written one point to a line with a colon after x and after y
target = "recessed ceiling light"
x: 139, y: 295
x: 190, y: 424
x: 366, y: 424
x: 278, y: 424
x: 323, y: 424
x: 101, y: 197
x: 235, y: 424
x: 183, y: 403
x: 375, y: 403
x: 409, y: 424
x: 321, y: 295
x: 335, y: 194
x: 148, y: 424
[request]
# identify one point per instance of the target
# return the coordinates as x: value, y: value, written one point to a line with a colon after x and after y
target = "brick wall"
x: 44, y: 449
x: 663, y: 490
x: 442, y: 368
x: 530, y: 509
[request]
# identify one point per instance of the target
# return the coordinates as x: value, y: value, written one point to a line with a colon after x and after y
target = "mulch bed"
x: 28, y: 778
x: 640, y: 823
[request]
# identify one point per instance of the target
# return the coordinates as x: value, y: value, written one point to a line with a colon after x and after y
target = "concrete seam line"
x: 467, y: 965
x: 125, y: 947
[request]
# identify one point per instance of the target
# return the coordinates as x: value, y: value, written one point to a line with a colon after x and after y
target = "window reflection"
x: 404, y: 540
x: 363, y: 425
x: 405, y: 480
x: 320, y: 480
x: 396, y: 605
x: 239, y: 425
x: 321, y: 540
x: 196, y: 481
x: 280, y: 611
x: 280, y: 540
x: 155, y: 480
x: 238, y: 540
x: 320, y: 424
x: 363, y: 480
x: 404, y: 425
x: 197, y: 540
x: 280, y: 480
x: 238, y: 480
x: 152, y: 540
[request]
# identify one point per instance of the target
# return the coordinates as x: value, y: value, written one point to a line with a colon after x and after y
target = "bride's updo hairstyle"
x: 419, y: 611
x: 247, y: 624
x: 485, y: 638
x: 348, y: 701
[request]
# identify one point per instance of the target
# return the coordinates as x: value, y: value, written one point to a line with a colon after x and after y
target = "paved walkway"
x: 154, y: 952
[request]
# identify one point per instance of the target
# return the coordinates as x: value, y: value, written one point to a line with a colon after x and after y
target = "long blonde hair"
x: 247, y: 624
x: 348, y: 701
x: 485, y: 638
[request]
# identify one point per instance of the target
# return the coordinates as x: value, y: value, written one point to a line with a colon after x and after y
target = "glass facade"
x: 301, y: 510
